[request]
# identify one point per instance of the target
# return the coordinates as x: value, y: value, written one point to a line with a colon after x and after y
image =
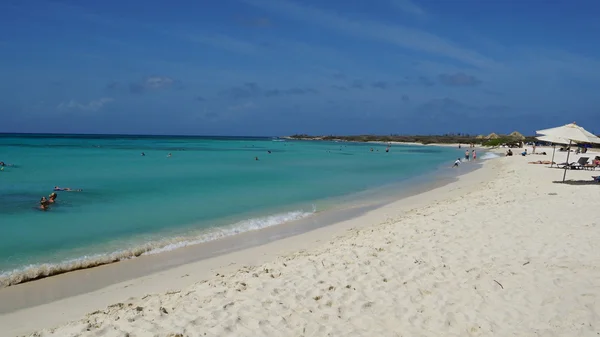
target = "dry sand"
x: 504, y: 251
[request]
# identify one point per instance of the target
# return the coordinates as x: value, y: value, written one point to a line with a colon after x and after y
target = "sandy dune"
x: 516, y: 255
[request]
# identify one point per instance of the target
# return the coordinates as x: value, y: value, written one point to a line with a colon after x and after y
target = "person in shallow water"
x: 52, y: 197
x: 44, y: 204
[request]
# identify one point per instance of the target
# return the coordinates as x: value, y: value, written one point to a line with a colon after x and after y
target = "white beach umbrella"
x: 554, y: 140
x: 573, y: 133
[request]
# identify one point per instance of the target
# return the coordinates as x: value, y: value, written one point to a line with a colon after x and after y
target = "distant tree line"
x: 449, y: 138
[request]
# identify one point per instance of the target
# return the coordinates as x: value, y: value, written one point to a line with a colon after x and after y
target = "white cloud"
x: 156, y: 82
x: 94, y: 105
x: 404, y: 37
x: 408, y: 7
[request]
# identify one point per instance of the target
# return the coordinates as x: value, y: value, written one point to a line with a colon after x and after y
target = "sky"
x: 281, y: 67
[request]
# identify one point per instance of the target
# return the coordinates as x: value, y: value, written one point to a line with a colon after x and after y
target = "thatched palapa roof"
x: 517, y: 135
x: 480, y: 137
x: 492, y: 136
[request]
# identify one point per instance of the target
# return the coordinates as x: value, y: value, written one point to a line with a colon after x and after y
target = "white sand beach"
x: 503, y: 251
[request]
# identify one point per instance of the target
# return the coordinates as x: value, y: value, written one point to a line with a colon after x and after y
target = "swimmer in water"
x: 256, y: 158
x: 66, y: 189
x: 44, y: 204
x: 52, y: 197
x: 143, y: 154
x: 169, y: 155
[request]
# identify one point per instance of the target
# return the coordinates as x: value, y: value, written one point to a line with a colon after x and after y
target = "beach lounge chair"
x: 580, y: 164
x: 574, y: 165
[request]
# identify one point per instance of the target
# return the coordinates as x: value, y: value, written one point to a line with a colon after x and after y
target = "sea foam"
x: 38, y: 271
x: 489, y: 155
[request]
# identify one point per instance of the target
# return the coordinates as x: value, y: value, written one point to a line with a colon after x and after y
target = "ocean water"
x: 209, y: 188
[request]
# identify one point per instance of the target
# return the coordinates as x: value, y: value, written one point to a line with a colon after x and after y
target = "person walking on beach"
x: 474, y: 155
x: 467, y: 155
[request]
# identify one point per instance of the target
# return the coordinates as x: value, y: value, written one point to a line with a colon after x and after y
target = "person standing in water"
x: 467, y: 155
x: 44, y: 204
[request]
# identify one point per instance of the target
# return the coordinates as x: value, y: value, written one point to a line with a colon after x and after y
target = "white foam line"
x: 37, y: 271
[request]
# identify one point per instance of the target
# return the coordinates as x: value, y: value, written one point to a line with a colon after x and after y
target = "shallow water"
x: 208, y: 188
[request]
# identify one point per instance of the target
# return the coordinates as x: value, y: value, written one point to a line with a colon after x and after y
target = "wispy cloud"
x: 240, y: 107
x: 404, y: 37
x: 408, y: 7
x: 416, y: 81
x: 224, y: 42
x: 93, y: 105
x: 246, y: 90
x: 156, y: 82
x: 340, y: 87
x: 357, y: 84
x: 381, y: 85
x: 252, y: 89
x: 292, y: 91
x: 459, y: 80
x: 149, y: 83
x: 257, y: 22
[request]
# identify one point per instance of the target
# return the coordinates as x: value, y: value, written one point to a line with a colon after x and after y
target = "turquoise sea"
x: 209, y: 188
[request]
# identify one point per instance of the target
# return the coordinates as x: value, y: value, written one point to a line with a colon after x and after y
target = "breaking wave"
x: 38, y: 271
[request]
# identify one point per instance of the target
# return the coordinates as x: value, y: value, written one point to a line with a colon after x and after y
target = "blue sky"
x: 277, y: 67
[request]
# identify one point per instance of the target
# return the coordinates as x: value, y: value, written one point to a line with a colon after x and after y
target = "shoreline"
x: 505, y: 250
x: 66, y: 287
x: 337, y: 204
